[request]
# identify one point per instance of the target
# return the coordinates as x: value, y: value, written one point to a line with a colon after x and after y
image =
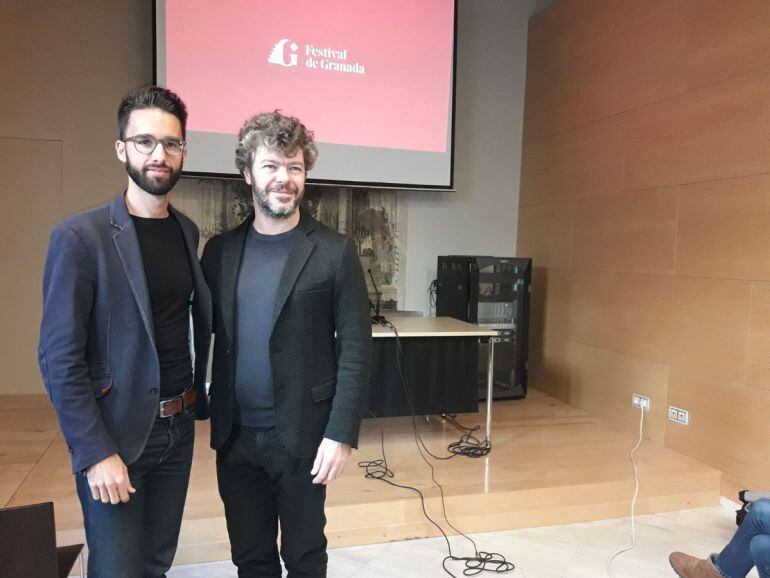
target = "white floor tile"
x: 568, y: 551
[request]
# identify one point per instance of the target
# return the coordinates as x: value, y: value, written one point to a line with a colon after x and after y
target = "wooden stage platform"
x: 550, y: 464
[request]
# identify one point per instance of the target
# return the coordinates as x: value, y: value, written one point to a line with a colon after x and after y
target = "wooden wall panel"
x: 545, y: 234
x: 570, y: 93
x: 544, y: 46
x: 537, y: 313
x: 728, y: 426
x: 561, y: 32
x: 557, y: 296
x: 590, y: 163
x: 668, y: 279
x: 590, y: 380
x: 726, y: 38
x: 630, y: 232
x: 649, y: 60
x: 709, y: 326
x: 66, y: 66
x: 558, y: 35
x: 758, y: 348
x: 550, y: 308
x: 584, y: 77
x: 551, y: 295
x: 30, y: 205
x: 718, y: 131
x: 592, y: 306
x: 550, y: 373
x: 644, y: 315
x: 606, y: 17
x: 723, y: 231
x: 602, y: 382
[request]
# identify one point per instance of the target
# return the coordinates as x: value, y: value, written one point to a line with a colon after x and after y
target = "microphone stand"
x: 377, y: 319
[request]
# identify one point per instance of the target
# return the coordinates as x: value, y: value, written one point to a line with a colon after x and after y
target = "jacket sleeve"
x: 210, y: 268
x: 354, y: 344
x: 68, y: 297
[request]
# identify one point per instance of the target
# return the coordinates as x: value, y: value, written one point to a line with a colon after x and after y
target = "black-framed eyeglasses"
x: 147, y: 144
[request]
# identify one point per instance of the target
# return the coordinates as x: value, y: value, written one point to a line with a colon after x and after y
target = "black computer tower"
x: 493, y: 292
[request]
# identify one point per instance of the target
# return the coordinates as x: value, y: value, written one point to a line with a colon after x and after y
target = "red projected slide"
x: 358, y: 72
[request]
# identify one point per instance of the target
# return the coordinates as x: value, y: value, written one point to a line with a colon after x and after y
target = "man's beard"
x: 262, y: 200
x: 157, y: 187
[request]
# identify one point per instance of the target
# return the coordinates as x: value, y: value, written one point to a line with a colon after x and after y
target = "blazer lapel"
x: 232, y: 252
x: 202, y: 296
x: 299, y: 252
x: 130, y: 255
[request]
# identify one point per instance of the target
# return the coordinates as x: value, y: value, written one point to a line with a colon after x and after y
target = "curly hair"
x: 274, y: 131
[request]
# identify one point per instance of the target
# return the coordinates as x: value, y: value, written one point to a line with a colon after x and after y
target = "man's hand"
x: 329, y: 461
x: 109, y: 480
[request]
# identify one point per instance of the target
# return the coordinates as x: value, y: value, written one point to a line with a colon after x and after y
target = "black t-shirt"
x: 169, y: 281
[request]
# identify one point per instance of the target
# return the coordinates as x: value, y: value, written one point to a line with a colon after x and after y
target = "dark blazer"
x: 97, y: 351
x: 320, y: 345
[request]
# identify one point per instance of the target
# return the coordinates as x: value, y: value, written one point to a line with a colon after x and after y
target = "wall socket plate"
x: 678, y: 415
x: 641, y: 401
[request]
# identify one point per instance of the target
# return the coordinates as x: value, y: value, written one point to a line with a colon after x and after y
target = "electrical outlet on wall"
x: 641, y: 401
x: 678, y: 415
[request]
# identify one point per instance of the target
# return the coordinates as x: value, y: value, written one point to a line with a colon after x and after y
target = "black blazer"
x: 97, y: 350
x: 320, y: 345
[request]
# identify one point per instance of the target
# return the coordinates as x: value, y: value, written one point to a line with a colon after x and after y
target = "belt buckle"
x: 172, y: 402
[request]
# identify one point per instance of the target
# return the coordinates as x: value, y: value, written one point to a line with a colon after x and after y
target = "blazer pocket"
x: 310, y: 286
x: 101, y: 380
x: 98, y: 370
x: 101, y: 386
x: 325, y: 390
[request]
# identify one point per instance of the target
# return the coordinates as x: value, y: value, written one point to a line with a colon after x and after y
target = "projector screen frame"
x: 341, y: 182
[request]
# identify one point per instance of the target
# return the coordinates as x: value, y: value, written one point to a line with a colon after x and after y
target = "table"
x: 450, y: 342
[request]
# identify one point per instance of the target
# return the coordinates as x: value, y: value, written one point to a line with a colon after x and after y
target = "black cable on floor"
x: 379, y: 470
x: 468, y: 445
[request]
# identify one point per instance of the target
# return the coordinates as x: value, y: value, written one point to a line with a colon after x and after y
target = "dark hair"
x: 151, y: 96
x: 274, y: 131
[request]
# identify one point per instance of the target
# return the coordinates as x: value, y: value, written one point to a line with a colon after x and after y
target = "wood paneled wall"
x: 645, y: 204
x: 64, y: 66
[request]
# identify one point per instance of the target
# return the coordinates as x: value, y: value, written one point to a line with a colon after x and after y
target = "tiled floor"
x: 573, y: 551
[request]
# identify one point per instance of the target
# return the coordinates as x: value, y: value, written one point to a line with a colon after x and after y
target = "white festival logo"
x: 278, y: 53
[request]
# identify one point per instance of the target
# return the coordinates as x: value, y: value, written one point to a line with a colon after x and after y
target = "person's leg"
x: 300, y: 511
x: 735, y: 560
x: 168, y: 459
x: 249, y: 497
x: 113, y: 533
x: 760, y: 553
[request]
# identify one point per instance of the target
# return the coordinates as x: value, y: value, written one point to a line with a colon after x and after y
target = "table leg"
x: 490, y: 384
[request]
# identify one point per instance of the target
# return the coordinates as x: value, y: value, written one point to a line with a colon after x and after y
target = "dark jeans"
x: 260, y: 483
x: 138, y: 539
x: 750, y: 545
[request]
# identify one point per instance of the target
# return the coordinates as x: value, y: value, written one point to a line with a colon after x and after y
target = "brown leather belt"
x: 178, y: 404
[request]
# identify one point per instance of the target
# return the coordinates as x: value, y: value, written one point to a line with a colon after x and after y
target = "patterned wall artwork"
x: 374, y: 218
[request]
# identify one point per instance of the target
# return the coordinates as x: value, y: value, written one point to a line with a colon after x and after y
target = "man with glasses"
x: 124, y: 343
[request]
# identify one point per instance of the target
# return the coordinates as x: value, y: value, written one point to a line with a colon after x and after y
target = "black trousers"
x: 261, y: 483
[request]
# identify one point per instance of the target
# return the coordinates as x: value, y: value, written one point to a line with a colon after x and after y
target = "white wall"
x: 481, y: 216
